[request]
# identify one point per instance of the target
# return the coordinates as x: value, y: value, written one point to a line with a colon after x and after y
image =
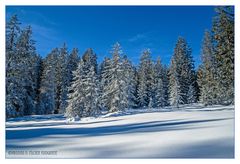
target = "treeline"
x: 64, y: 82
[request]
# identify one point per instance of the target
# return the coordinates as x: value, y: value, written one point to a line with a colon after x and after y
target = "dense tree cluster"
x: 216, y: 73
x: 62, y: 82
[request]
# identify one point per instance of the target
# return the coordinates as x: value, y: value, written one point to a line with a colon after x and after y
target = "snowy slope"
x: 191, y: 132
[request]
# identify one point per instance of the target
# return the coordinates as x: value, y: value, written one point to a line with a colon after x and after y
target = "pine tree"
x: 91, y: 90
x: 160, y: 85
x: 130, y: 80
x: 146, y: 81
x: 22, y: 70
x: 165, y: 82
x: 182, y: 74
x: 63, y: 79
x: 223, y: 33
x: 117, y: 86
x: 176, y: 95
x: 116, y: 92
x: 104, y: 79
x: 207, y: 75
x: 48, y: 86
x: 14, y: 103
x: 91, y: 94
x: 22, y: 74
x: 83, y: 100
x: 75, y: 106
x: 30, y: 69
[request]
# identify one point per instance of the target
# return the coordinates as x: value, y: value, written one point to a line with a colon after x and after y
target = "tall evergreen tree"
x: 176, y: 95
x: 116, y: 91
x: 84, y: 98
x: 22, y: 72
x: 166, y: 84
x: 223, y: 33
x: 48, y: 85
x: 29, y: 64
x: 91, y: 93
x: 145, y: 77
x: 62, y: 79
x: 160, y: 85
x: 182, y: 75
x: 104, y: 79
x: 75, y: 106
x: 207, y: 77
x: 130, y: 80
x: 14, y: 104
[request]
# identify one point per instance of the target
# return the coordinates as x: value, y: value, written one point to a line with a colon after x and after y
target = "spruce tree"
x: 63, y: 79
x: 130, y: 79
x: 75, y: 106
x: 28, y: 62
x: 116, y: 92
x: 91, y: 93
x: 223, y: 33
x: 83, y: 100
x: 48, y: 85
x: 160, y: 85
x: 207, y: 72
x: 22, y: 70
x: 145, y: 77
x: 118, y: 86
x: 14, y: 102
x: 176, y: 95
x: 182, y: 75
x: 104, y: 79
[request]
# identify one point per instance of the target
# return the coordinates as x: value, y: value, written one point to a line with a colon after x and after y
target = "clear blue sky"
x: 99, y: 27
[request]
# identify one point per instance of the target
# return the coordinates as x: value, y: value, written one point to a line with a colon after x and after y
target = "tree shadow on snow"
x: 154, y: 126
x: 49, y: 124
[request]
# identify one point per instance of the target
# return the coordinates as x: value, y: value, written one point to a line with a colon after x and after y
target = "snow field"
x: 191, y: 132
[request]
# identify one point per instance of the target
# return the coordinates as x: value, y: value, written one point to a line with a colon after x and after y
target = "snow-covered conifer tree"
x: 83, y: 100
x: 104, y: 79
x: 75, y: 106
x: 160, y: 85
x: 48, y: 86
x: 146, y: 79
x: 182, y: 74
x: 22, y: 70
x: 116, y: 92
x: 130, y: 79
x: 176, y: 95
x: 207, y: 77
x: 62, y: 79
x: 223, y: 33
x: 29, y: 63
x: 91, y: 93
x: 14, y: 103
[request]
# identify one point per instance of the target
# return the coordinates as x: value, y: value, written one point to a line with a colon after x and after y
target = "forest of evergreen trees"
x: 64, y: 82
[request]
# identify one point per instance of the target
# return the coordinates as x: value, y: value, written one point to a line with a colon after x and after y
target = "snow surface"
x: 188, y: 132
